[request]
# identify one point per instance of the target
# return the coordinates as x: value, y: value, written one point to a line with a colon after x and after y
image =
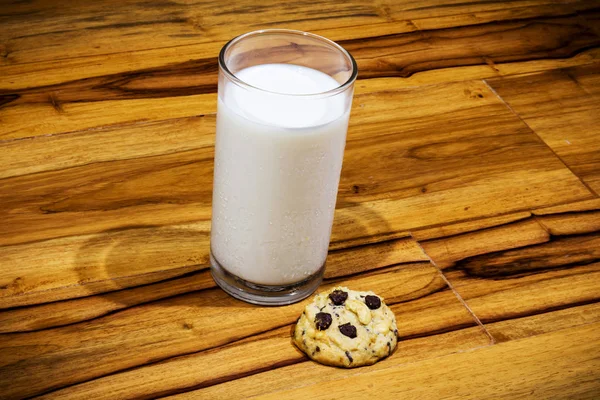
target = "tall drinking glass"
x: 283, y: 108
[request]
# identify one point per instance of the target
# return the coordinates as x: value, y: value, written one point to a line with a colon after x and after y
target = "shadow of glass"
x: 154, y: 262
x: 143, y: 256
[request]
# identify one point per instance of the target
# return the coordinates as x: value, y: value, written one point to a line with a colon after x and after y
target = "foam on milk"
x: 282, y: 110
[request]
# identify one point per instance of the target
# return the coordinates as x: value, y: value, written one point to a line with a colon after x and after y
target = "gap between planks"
x: 536, y: 134
x: 458, y: 296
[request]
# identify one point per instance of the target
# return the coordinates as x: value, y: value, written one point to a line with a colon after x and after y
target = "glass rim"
x: 331, y: 92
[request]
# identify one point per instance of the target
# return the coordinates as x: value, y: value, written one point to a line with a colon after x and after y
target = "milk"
x: 277, y: 168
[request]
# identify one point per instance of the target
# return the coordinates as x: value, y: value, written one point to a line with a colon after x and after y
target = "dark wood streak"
x: 44, y: 34
x: 302, y: 359
x: 397, y: 55
x: 138, y: 23
x: 263, y: 335
x: 7, y: 98
x: 321, y: 18
x: 579, y: 250
x: 184, y: 79
x: 467, y: 4
x: 234, y: 342
x: 402, y: 55
x: 428, y: 293
x: 254, y: 9
x: 120, y: 297
x: 478, y: 230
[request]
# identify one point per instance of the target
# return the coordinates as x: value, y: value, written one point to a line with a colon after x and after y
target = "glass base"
x: 264, y: 295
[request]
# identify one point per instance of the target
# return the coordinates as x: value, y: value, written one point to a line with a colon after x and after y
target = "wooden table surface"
x: 468, y: 199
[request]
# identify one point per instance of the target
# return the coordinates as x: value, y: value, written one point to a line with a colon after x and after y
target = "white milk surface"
x: 277, y: 168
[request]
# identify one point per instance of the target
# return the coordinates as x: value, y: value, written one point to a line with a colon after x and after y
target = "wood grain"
x: 50, y: 359
x: 278, y: 383
x: 91, y: 29
x: 487, y: 162
x: 468, y: 199
x: 518, y: 328
x: 264, y: 371
x: 497, y: 374
x: 546, y: 262
x: 115, y: 269
x: 563, y: 113
x: 177, y: 87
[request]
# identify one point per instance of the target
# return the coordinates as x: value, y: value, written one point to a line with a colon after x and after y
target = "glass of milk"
x: 283, y: 108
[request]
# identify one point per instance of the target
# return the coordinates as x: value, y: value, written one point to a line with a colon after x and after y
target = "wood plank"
x: 35, y: 362
x: 563, y: 112
x: 408, y: 53
x: 486, y: 162
x: 544, y: 263
x: 362, y: 258
x: 150, y: 191
x: 479, y: 224
x: 297, y: 376
x: 179, y: 85
x: 273, y: 353
x: 92, y: 29
x: 137, y: 140
x: 463, y: 170
x: 565, y: 209
x: 42, y: 75
x: 61, y: 313
x: 77, y: 30
x: 557, y: 367
x: 446, y: 252
x: 111, y: 262
x: 106, y: 145
x: 79, y: 266
x: 431, y: 16
x: 523, y: 327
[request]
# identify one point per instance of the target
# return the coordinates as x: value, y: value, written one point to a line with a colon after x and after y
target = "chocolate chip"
x: 318, y: 349
x: 373, y: 302
x: 348, y: 330
x: 323, y: 320
x: 338, y: 297
x: 303, y: 332
x: 349, y: 357
x: 389, y: 348
x: 396, y: 332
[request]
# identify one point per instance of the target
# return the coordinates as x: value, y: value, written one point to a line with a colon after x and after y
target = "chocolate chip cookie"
x: 346, y: 328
